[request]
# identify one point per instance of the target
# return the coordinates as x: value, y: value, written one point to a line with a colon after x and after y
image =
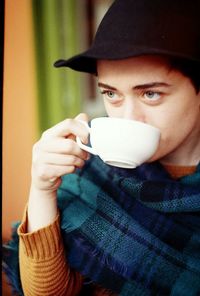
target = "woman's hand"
x: 57, y: 153
x: 54, y: 155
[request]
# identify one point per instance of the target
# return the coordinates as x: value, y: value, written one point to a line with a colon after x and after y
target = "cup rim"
x: 127, y: 120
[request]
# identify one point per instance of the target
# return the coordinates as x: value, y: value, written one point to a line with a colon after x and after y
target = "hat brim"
x: 81, y: 62
x: 87, y: 61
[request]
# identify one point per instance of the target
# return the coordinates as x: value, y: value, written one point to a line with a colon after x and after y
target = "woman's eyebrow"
x: 137, y: 87
x: 151, y: 85
x: 100, y: 84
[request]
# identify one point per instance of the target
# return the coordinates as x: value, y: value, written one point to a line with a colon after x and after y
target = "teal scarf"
x: 135, y: 232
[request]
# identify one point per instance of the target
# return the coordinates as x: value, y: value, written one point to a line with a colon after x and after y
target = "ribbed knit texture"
x: 43, y: 267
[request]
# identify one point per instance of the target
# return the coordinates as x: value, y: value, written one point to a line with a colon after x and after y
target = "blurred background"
x: 35, y: 94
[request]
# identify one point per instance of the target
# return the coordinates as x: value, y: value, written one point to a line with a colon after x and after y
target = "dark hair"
x: 189, y: 69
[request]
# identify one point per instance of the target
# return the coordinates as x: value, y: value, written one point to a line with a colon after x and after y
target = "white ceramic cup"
x: 120, y: 142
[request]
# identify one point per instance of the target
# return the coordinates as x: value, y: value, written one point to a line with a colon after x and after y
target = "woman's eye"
x: 110, y: 94
x: 151, y: 95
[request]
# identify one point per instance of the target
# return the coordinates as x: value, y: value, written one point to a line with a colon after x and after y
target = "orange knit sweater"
x: 43, y: 267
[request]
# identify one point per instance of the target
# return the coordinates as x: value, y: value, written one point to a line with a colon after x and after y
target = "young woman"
x: 92, y: 229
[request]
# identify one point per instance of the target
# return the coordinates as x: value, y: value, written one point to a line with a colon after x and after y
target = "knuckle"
x: 45, y: 134
x: 66, y: 126
x: 69, y: 121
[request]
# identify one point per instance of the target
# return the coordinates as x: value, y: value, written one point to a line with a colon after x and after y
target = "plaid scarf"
x: 135, y: 232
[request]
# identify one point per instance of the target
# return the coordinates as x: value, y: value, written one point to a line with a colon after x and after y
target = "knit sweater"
x: 43, y: 266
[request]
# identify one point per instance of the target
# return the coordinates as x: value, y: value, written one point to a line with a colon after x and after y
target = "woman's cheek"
x: 165, y: 144
x: 112, y: 111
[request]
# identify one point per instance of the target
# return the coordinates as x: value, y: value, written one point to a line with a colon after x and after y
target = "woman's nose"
x: 134, y: 111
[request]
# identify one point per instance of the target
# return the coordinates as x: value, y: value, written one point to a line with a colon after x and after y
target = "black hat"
x: 137, y: 27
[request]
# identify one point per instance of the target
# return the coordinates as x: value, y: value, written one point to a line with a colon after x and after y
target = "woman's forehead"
x: 134, y: 63
x: 143, y: 66
x: 138, y: 70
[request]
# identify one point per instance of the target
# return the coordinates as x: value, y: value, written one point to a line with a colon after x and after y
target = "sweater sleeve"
x: 43, y: 267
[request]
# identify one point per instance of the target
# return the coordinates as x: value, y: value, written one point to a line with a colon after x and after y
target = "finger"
x: 61, y: 160
x: 82, y: 117
x: 68, y: 127
x: 60, y: 145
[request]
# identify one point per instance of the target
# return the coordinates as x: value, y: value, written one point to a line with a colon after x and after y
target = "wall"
x: 19, y: 109
x: 19, y: 113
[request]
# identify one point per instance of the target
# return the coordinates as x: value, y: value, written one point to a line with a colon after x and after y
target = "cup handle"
x: 83, y: 146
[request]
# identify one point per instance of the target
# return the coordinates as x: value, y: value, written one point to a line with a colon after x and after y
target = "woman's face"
x: 146, y: 89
